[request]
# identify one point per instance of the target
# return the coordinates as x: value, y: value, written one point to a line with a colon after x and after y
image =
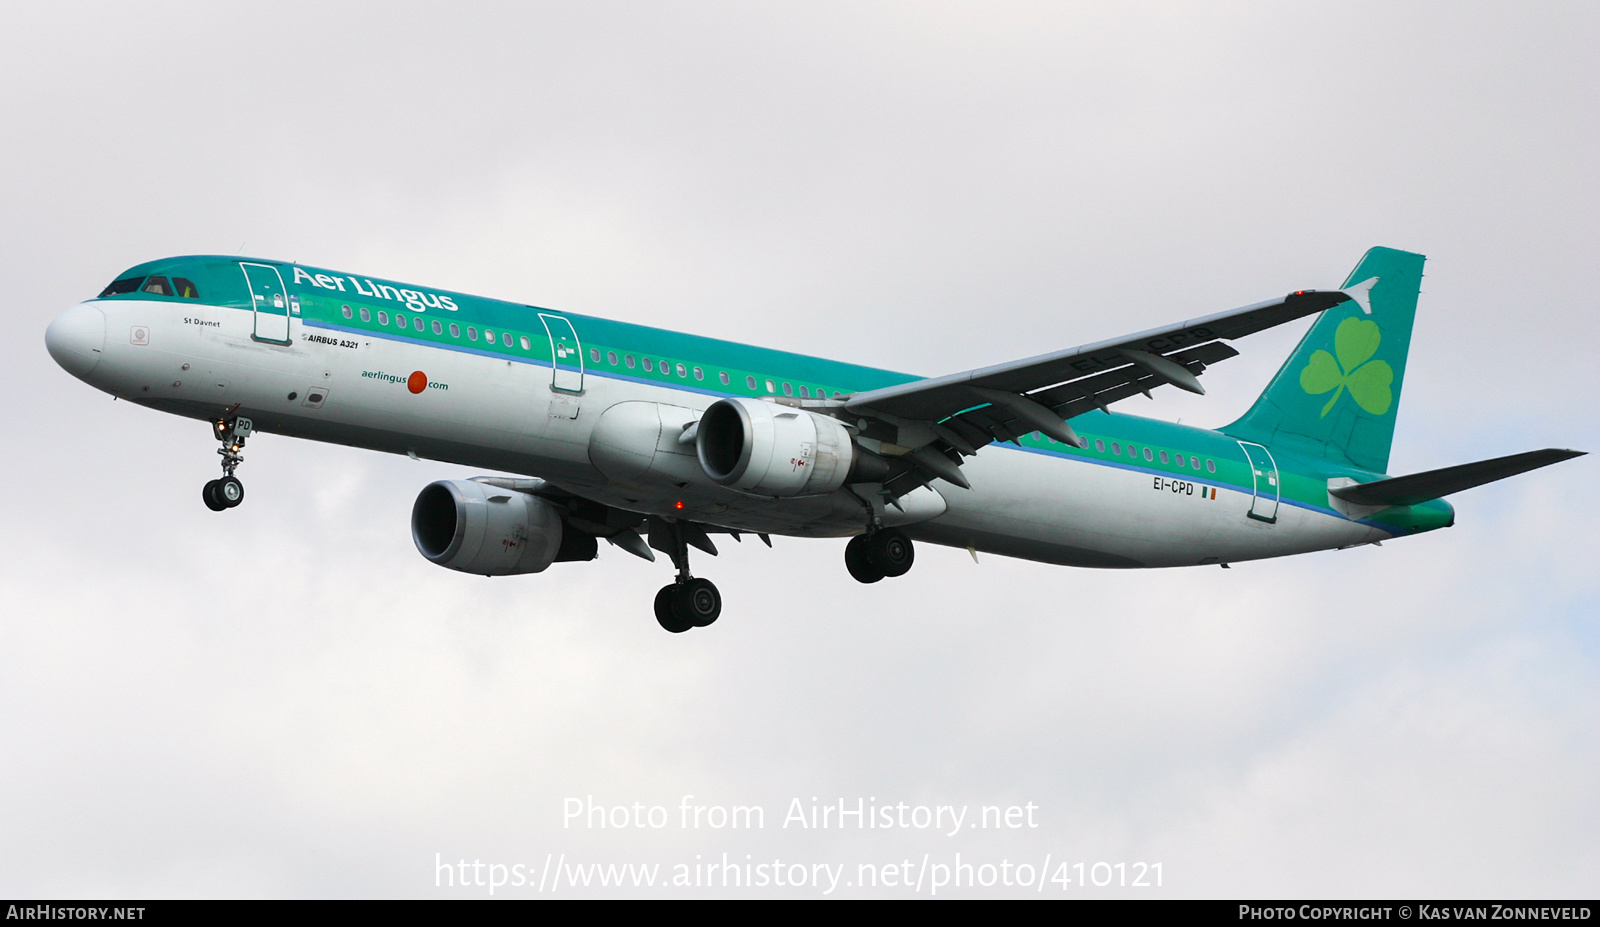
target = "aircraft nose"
x: 76, y: 339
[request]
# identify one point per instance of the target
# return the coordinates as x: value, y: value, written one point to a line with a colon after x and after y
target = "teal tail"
x: 1337, y: 395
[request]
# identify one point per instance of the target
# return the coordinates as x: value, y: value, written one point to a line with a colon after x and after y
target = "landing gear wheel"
x: 229, y: 491
x: 698, y: 601
x: 666, y: 615
x: 890, y: 551
x: 859, y: 563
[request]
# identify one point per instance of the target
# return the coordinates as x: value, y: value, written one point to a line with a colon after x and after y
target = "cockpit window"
x: 158, y: 286
x: 119, y: 287
x: 185, y: 289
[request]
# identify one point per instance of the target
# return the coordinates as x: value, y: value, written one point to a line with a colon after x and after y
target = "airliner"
x: 657, y: 441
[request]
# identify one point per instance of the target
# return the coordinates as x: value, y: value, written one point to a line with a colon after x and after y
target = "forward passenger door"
x: 269, y: 300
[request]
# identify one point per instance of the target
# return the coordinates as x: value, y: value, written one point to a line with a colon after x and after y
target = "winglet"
x: 1361, y: 293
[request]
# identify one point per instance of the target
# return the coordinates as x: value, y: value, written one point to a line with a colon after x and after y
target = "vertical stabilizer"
x: 1337, y: 395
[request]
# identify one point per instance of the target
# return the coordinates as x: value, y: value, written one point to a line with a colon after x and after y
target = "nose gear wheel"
x: 228, y: 491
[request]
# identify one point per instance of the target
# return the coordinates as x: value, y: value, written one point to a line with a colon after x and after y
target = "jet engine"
x: 771, y: 450
x: 478, y: 528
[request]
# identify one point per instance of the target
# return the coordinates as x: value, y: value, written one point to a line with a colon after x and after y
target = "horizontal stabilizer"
x: 1432, y: 484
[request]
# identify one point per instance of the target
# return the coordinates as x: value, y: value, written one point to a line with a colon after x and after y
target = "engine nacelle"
x: 477, y: 528
x: 772, y: 450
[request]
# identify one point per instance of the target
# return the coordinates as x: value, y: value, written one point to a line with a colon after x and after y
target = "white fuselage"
x: 484, y: 411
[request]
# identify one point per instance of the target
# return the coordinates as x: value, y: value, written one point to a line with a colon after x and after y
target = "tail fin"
x: 1337, y: 395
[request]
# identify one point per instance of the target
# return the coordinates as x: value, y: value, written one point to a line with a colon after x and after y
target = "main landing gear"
x: 885, y: 552
x: 687, y: 602
x: 228, y: 491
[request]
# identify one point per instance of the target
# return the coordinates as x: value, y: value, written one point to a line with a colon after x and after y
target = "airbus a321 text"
x: 659, y: 441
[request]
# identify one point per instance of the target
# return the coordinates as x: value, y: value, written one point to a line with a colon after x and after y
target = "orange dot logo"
x: 417, y: 382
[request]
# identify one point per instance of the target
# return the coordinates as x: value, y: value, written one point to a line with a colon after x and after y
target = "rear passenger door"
x: 1264, y: 471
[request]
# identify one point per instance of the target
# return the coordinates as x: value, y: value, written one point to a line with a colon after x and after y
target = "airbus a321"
x: 659, y: 441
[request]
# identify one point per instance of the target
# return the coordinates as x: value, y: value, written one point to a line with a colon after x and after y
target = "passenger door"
x: 566, y: 354
x: 269, y: 300
x: 1264, y: 470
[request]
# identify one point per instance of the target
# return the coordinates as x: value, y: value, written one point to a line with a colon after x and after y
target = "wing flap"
x: 1104, y: 363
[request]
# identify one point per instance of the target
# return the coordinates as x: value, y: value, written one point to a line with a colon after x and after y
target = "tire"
x: 229, y: 491
x: 858, y: 563
x: 890, y: 551
x: 666, y: 615
x: 698, y: 601
x: 209, y: 494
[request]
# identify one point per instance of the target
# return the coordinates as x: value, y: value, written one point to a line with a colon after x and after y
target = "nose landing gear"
x: 228, y: 491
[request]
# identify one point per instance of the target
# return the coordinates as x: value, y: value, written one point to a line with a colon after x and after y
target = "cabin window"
x: 187, y: 290
x: 594, y: 355
x: 366, y: 314
x: 1163, y: 456
x: 1116, y: 448
x: 1100, y: 445
x: 628, y: 359
x: 417, y: 323
x: 119, y: 287
x: 683, y: 371
x: 649, y: 365
x: 1179, y: 461
x: 346, y: 311
x: 771, y: 387
x: 399, y: 320
x: 488, y: 335
x: 472, y: 333
x: 526, y: 344
x: 1148, y: 455
x: 158, y: 286
x: 455, y: 330
x: 750, y: 382
x: 699, y: 374
x: 438, y: 327
x: 804, y: 394
x: 666, y: 368
x: 383, y: 317
x: 1211, y: 465
x: 723, y: 377
x: 611, y: 358
x: 505, y: 339
x: 788, y: 390
x: 1194, y: 463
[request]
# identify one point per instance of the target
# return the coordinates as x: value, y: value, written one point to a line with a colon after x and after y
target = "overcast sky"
x: 287, y: 700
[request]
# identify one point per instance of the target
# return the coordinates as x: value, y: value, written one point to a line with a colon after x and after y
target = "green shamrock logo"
x: 1355, y: 341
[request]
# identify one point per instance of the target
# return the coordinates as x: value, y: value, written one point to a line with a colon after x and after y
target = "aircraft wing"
x: 971, y: 409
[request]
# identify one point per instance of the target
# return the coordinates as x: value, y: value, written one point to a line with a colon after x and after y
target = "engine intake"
x: 771, y: 450
x: 477, y: 528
